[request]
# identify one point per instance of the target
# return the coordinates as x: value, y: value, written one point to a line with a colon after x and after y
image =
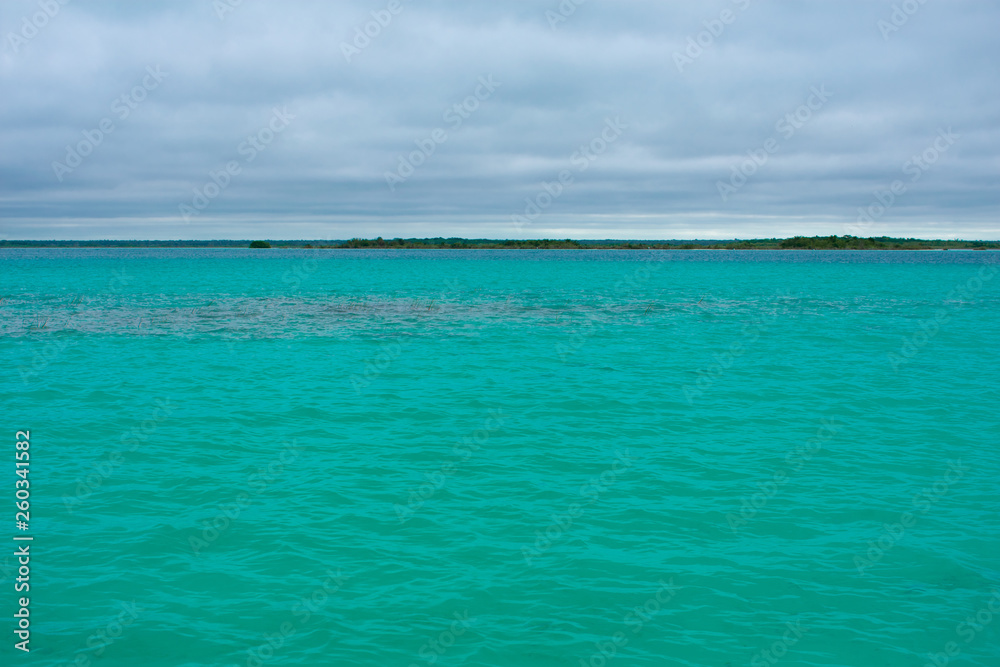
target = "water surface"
x: 506, y: 457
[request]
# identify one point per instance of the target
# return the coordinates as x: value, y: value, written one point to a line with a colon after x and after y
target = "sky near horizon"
x: 210, y: 119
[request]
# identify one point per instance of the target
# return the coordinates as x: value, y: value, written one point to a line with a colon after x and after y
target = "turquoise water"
x: 505, y: 457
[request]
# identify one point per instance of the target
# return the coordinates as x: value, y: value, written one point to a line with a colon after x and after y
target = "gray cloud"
x: 324, y: 175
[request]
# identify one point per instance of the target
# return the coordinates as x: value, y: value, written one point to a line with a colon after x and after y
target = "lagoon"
x: 490, y: 457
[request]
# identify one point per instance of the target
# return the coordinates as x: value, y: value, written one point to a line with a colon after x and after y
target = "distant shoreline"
x: 793, y: 243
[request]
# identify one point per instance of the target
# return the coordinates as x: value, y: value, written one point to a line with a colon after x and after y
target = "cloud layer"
x: 735, y: 118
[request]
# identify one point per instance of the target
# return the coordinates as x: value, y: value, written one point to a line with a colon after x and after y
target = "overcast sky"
x: 662, y: 120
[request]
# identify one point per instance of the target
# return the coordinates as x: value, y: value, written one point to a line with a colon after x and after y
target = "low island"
x: 440, y: 243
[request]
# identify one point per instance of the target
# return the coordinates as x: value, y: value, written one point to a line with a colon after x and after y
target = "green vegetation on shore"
x: 439, y: 243
x: 797, y: 242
